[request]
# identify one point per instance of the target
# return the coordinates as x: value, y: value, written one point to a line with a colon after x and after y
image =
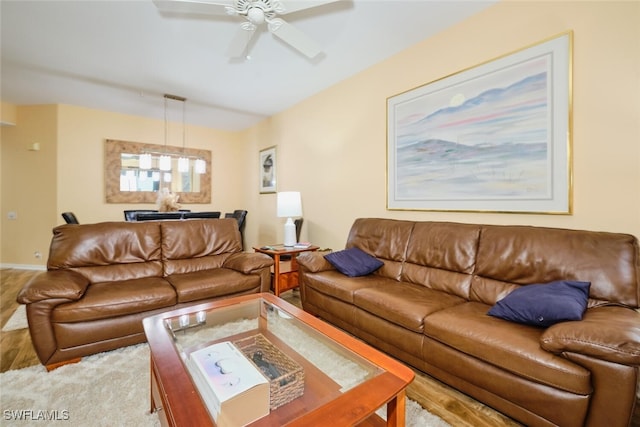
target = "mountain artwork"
x: 487, y: 138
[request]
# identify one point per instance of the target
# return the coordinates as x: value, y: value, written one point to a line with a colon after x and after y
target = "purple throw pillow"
x: 544, y: 304
x: 354, y: 262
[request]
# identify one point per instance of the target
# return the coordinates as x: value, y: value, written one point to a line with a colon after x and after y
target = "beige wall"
x: 29, y: 184
x: 81, y: 159
x: 67, y: 174
x: 8, y: 114
x: 332, y: 146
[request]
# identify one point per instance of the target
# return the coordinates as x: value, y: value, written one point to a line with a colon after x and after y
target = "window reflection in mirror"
x: 129, y: 179
x: 133, y: 177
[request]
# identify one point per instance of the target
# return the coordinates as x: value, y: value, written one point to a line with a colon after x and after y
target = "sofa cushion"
x: 107, y: 251
x: 544, y: 304
x: 337, y: 285
x: 444, y: 245
x: 386, y: 239
x: 405, y: 304
x: 198, y: 244
x: 528, y: 254
x: 112, y: 299
x: 212, y: 283
x: 354, y: 262
x: 510, y: 346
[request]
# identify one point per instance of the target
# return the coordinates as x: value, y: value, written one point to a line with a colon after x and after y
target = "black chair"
x: 131, y: 215
x: 155, y: 216
x: 240, y: 216
x: 192, y: 215
x: 70, y: 218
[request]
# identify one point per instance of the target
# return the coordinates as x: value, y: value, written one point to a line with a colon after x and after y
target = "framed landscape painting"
x: 493, y: 138
x: 267, y: 171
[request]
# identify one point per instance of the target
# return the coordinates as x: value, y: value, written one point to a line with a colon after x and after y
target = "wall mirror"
x: 135, y: 172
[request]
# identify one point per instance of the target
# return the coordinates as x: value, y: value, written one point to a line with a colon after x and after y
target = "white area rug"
x: 112, y: 389
x: 107, y: 389
x: 18, y: 319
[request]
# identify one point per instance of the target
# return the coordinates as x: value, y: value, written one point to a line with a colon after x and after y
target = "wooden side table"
x: 285, y: 276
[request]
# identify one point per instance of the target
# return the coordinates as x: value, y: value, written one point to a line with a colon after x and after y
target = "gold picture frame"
x: 492, y: 138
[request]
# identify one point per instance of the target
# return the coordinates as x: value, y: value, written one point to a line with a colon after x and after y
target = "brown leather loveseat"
x: 427, y: 305
x: 103, y: 279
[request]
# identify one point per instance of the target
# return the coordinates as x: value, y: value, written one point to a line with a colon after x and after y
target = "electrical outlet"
x: 37, y: 254
x: 12, y: 215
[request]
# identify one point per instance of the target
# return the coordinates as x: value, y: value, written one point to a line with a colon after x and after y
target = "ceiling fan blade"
x: 291, y: 6
x: 192, y: 7
x: 294, y: 37
x: 241, y: 40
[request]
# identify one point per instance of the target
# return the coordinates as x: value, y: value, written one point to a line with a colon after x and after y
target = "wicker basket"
x: 286, y: 381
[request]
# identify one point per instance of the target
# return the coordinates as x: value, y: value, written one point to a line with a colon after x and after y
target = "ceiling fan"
x: 256, y: 13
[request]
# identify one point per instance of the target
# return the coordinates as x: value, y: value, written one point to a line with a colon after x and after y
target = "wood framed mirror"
x: 129, y: 181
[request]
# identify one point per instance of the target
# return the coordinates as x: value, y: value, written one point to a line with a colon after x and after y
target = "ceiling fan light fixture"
x: 256, y: 15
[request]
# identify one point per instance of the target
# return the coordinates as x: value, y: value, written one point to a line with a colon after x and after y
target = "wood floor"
x: 454, y: 407
x: 16, y: 349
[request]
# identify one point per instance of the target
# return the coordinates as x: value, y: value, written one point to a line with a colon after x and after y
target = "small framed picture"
x: 267, y: 170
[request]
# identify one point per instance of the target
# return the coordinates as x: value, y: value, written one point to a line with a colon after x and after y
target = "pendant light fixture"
x: 183, y: 162
x: 164, y: 163
x: 165, y: 159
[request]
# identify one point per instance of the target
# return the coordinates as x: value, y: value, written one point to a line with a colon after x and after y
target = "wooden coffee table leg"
x: 396, y: 410
x: 276, y: 275
x: 151, y: 380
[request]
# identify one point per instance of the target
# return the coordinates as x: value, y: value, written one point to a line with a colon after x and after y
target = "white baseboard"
x: 24, y: 267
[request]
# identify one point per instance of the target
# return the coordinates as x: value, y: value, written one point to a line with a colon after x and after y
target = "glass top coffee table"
x: 344, y: 381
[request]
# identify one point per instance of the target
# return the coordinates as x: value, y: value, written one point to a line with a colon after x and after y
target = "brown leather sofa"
x: 103, y: 279
x: 427, y: 305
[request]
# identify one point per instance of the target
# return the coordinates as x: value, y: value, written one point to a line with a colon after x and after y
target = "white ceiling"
x: 123, y: 56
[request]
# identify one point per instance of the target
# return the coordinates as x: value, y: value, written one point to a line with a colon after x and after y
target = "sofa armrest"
x: 54, y: 284
x: 247, y: 262
x: 610, y: 333
x: 315, y: 262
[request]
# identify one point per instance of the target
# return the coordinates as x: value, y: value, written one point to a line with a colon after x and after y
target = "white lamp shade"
x: 289, y: 204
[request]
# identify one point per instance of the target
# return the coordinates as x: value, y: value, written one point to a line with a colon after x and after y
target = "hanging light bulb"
x: 165, y: 163
x: 200, y: 166
x: 144, y: 161
x: 183, y: 164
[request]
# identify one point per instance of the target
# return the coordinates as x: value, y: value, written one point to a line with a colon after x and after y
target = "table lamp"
x: 289, y: 205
